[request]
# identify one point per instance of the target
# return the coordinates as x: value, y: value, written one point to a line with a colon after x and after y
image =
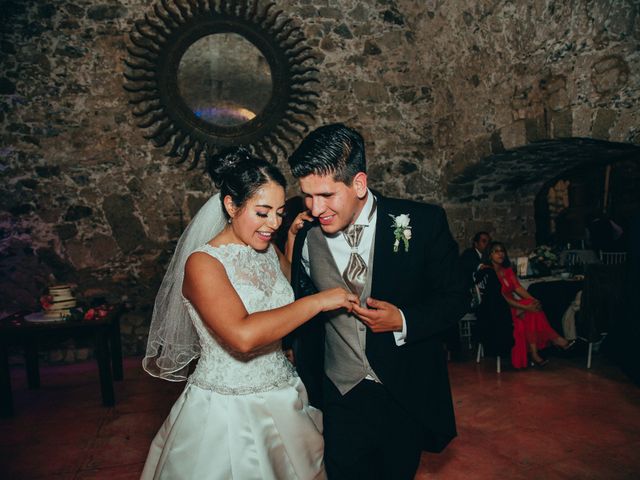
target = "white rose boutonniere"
x: 401, y: 230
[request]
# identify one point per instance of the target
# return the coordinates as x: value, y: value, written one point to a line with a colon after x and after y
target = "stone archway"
x: 498, y: 193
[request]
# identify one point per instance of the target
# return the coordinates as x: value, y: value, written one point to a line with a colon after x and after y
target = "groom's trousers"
x: 368, y: 435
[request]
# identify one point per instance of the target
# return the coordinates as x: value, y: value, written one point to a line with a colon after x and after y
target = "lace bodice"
x: 261, y: 285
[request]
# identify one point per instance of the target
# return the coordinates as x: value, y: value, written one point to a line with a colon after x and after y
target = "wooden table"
x: 105, y: 333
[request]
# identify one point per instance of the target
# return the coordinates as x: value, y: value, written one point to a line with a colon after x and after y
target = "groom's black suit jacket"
x: 426, y: 283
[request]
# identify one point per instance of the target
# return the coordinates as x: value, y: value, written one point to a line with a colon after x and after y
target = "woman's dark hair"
x: 239, y: 174
x: 486, y: 256
x: 330, y: 150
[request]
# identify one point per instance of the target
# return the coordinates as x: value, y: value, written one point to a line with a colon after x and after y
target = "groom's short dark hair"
x: 333, y: 149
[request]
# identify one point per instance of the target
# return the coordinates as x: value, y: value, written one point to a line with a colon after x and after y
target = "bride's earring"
x: 229, y: 220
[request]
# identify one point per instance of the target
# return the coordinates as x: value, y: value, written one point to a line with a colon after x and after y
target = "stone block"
x: 416, y: 184
x: 328, y: 44
x: 125, y: 225
x: 77, y: 212
x: 457, y: 212
x: 106, y: 12
x: 371, y: 48
x: 535, y: 129
x: 92, y: 252
x: 562, y: 124
x: 343, y: 31
x: 456, y: 191
x: 370, y: 92
x: 558, y: 100
x: 330, y: 12
x: 603, y: 122
x: 627, y: 127
x: 609, y: 74
x: 581, y: 121
x: 66, y: 231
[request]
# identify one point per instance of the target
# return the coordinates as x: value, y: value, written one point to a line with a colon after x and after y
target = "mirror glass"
x: 224, y: 79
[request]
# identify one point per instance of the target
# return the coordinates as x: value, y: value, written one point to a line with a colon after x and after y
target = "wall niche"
x: 573, y: 208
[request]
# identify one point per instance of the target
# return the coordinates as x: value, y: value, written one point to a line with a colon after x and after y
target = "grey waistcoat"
x: 345, y: 361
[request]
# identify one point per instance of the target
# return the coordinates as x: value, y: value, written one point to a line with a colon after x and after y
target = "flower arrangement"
x: 543, y: 259
x: 78, y: 314
x: 100, y: 311
x: 401, y: 230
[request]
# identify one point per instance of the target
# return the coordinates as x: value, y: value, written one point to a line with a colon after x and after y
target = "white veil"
x: 173, y: 340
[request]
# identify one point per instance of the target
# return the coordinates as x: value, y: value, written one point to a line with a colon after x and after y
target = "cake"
x: 60, y: 302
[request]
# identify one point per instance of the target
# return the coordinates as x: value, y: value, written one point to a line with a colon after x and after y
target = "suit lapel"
x: 382, y: 255
x: 387, y: 264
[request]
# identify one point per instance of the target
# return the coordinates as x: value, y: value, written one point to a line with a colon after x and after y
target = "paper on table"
x: 522, y: 265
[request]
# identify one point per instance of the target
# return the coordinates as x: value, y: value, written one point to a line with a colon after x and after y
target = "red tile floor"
x: 560, y: 422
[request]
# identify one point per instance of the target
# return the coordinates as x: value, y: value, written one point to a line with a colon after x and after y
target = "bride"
x: 225, y: 298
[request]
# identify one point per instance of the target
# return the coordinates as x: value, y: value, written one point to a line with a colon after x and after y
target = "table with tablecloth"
x: 555, y: 294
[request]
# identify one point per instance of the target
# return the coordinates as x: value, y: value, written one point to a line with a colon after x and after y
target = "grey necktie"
x: 355, y: 275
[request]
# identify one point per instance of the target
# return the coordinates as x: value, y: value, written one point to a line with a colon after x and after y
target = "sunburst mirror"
x: 207, y: 75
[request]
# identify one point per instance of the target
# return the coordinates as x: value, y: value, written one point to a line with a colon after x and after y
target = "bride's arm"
x: 209, y: 290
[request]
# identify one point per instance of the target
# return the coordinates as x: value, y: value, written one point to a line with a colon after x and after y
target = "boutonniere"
x: 401, y: 230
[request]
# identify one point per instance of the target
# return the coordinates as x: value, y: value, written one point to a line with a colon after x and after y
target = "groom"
x: 380, y: 374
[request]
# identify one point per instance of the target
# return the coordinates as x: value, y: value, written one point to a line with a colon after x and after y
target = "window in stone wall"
x: 557, y: 201
x: 568, y: 207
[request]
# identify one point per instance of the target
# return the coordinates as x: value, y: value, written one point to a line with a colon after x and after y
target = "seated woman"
x: 531, y: 330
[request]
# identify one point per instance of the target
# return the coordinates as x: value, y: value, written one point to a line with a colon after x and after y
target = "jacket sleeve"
x: 300, y: 281
x: 301, y: 284
x: 443, y: 293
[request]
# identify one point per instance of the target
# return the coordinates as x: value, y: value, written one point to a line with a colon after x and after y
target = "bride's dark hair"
x: 239, y: 174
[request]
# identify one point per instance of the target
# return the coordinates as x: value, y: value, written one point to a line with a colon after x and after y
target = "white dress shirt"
x: 341, y: 251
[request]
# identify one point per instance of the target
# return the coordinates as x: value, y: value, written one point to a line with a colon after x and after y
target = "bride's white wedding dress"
x: 241, y: 416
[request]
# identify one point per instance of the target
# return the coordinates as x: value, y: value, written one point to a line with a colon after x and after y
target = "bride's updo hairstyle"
x: 239, y: 174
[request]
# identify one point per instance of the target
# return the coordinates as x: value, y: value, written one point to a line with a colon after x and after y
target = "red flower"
x: 46, y: 301
x: 98, y: 312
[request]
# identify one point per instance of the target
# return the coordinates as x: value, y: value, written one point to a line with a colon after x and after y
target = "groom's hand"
x: 380, y: 316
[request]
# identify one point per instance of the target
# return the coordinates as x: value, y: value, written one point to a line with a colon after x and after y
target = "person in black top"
x: 471, y: 257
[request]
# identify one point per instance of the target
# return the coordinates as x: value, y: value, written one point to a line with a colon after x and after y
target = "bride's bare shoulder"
x: 201, y: 260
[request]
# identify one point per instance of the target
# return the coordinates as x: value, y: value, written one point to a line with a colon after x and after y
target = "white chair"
x: 613, y: 258
x: 593, y: 346
x: 465, y: 324
x: 480, y: 356
x: 600, y: 303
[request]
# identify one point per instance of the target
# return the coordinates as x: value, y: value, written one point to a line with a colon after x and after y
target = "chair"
x: 467, y: 322
x: 602, y: 298
x: 480, y: 356
x: 494, y: 324
x: 465, y: 326
x: 613, y: 258
x: 577, y: 258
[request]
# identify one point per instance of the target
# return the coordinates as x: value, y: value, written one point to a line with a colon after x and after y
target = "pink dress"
x: 532, y: 327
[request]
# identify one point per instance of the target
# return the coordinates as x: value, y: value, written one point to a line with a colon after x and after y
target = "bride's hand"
x: 298, y: 222
x: 336, y: 298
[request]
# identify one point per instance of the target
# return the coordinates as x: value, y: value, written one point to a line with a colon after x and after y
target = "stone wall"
x: 436, y: 88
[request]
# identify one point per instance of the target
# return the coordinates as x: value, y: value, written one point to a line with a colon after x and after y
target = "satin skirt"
x: 531, y: 328
x: 268, y: 435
